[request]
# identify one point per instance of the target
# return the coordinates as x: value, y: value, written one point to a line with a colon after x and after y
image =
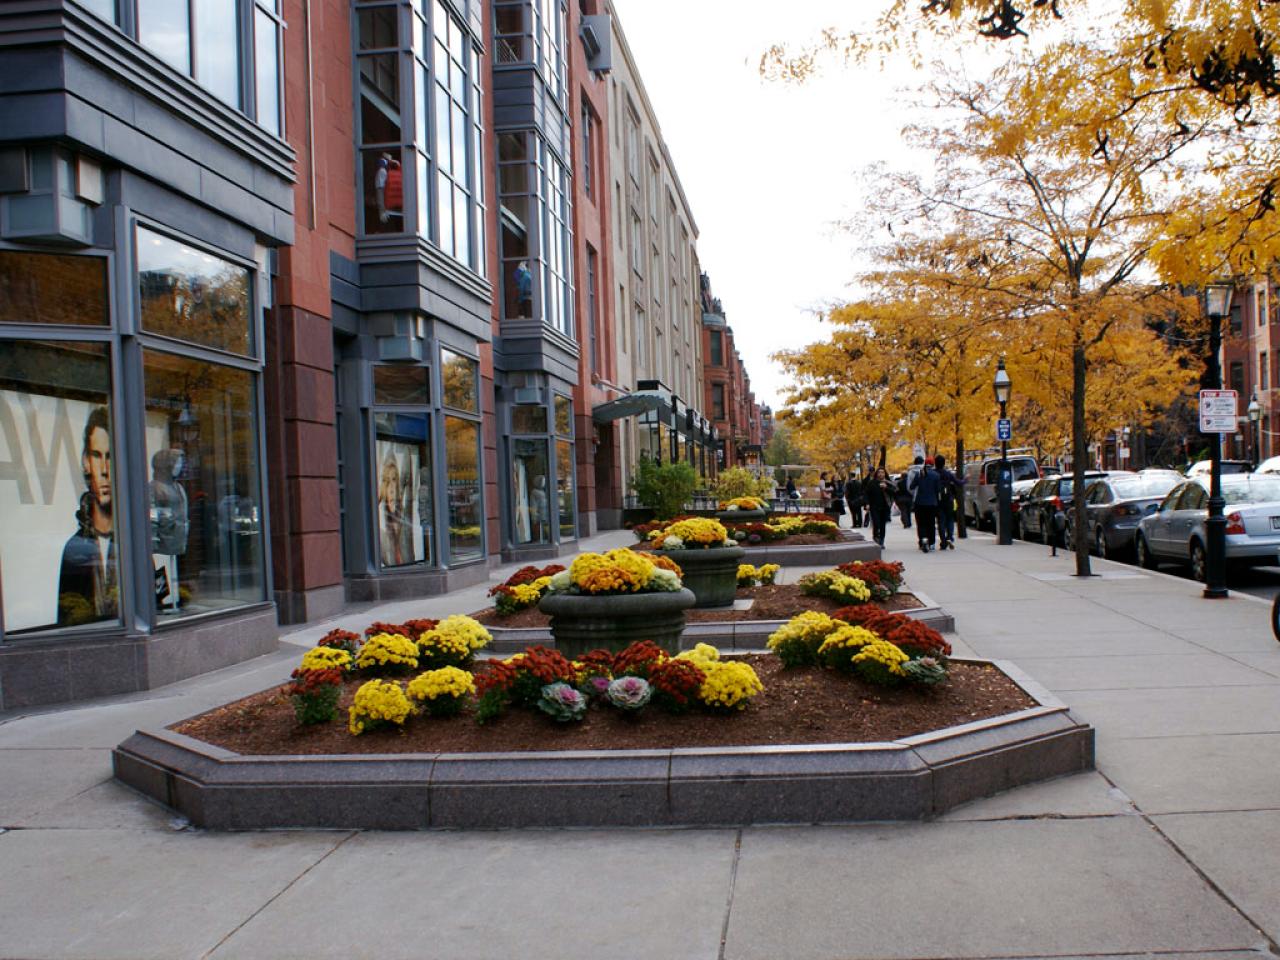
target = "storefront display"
x: 466, y: 500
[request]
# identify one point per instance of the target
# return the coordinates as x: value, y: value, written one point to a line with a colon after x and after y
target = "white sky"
x: 769, y: 168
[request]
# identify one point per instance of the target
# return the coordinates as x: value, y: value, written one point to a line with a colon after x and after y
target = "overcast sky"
x: 769, y: 168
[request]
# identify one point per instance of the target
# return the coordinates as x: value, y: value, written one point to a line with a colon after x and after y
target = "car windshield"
x: 1127, y: 488
x: 1024, y: 470
x: 1247, y: 488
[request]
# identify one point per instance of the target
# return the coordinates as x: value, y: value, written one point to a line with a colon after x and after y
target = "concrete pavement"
x: 1171, y: 847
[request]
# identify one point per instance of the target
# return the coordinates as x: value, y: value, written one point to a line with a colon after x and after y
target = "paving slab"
x: 1240, y: 852
x: 32, y: 781
x: 1178, y: 711
x: 1133, y: 641
x: 1020, y: 888
x: 86, y: 895
x: 1267, y: 661
x: 107, y: 806
x: 1071, y: 673
x: 1080, y: 795
x: 475, y: 896
x: 1182, y: 774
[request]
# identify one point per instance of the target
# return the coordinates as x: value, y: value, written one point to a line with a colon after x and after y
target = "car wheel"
x: 1100, y: 544
x: 1199, y: 562
x: 1143, y: 552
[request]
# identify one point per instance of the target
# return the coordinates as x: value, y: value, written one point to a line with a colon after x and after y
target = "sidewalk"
x: 1172, y: 846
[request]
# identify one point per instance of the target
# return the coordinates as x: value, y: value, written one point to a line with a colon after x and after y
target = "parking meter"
x: 1059, y: 528
x: 1004, y: 503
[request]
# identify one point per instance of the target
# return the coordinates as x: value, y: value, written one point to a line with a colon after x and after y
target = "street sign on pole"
x: 1004, y: 429
x: 1218, y: 411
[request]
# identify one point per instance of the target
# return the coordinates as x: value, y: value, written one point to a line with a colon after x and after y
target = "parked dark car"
x: 1046, y: 498
x: 1115, y: 504
x: 980, y: 487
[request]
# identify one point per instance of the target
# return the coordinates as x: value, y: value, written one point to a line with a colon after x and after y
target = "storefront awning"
x: 632, y: 405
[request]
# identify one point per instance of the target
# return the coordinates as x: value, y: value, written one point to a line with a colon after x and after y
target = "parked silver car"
x: 1175, y: 531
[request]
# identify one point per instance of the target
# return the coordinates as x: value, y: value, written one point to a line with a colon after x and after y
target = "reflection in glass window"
x: 511, y: 40
x: 401, y: 385
x: 530, y: 495
x: 51, y: 288
x: 564, y: 416
x: 564, y: 489
x: 466, y: 502
x: 201, y: 436
x: 192, y: 295
x: 458, y: 374
x: 164, y: 28
x: 218, y: 50
x: 405, y: 506
x: 266, y: 55
x: 58, y: 560
x: 106, y: 9
x: 529, y: 419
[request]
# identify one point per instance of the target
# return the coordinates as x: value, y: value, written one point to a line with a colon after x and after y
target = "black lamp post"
x: 1004, y: 481
x: 1255, y: 414
x: 1217, y: 302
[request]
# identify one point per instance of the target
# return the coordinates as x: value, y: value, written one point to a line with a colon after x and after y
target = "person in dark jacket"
x: 926, y: 487
x: 856, y: 498
x: 879, y: 492
x: 947, y: 503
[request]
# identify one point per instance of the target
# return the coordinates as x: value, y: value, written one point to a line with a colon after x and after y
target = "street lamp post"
x: 1255, y: 414
x: 1217, y: 300
x: 1004, y: 481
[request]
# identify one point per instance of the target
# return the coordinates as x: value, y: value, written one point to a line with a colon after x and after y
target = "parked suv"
x: 980, y: 487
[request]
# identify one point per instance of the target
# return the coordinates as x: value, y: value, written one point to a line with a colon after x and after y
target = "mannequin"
x: 524, y: 290
x: 169, y: 523
x: 388, y: 184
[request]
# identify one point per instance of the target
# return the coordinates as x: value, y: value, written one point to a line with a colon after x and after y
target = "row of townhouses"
x: 312, y: 302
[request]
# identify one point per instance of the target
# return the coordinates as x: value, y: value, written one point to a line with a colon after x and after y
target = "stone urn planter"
x: 742, y: 516
x: 712, y: 574
x: 581, y: 622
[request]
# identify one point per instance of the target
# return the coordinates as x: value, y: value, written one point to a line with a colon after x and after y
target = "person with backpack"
x: 926, y: 487
x: 879, y: 492
x: 951, y: 495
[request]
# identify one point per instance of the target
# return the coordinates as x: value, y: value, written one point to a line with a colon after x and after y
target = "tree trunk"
x: 959, y: 472
x: 884, y: 454
x: 1079, y: 455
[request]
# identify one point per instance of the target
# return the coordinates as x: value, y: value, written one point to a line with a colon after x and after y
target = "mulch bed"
x: 777, y: 601
x: 803, y: 705
x: 794, y: 540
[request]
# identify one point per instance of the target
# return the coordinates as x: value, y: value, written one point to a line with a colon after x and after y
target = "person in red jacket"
x: 388, y: 184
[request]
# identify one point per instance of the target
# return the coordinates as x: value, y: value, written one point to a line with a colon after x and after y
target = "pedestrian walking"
x: 856, y: 498
x: 790, y: 496
x: 926, y: 487
x: 879, y: 492
x: 833, y: 492
x: 906, y: 495
x: 950, y: 496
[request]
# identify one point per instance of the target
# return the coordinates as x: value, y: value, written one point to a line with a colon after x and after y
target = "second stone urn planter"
x: 581, y: 623
x: 712, y: 574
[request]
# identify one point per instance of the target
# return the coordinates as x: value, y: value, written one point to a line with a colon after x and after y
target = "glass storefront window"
x: 51, y: 288
x: 58, y: 557
x: 529, y: 419
x: 201, y: 436
x: 466, y: 502
x: 564, y: 489
x: 458, y: 374
x: 564, y: 416
x: 400, y: 385
x: 191, y: 295
x: 529, y: 491
x: 405, y: 505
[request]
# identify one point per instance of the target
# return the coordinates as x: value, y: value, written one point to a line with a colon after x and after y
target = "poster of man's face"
x: 57, y: 543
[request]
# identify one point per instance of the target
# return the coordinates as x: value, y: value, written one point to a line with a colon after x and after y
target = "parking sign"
x: 1218, y: 411
x: 1004, y: 429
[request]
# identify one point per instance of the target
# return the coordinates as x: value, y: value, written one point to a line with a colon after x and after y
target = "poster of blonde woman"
x: 399, y: 526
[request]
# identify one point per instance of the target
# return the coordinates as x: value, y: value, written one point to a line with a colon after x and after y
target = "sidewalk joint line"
x: 279, y: 893
x: 728, y: 905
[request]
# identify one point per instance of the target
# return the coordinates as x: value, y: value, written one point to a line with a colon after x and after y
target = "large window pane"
x: 564, y: 416
x: 218, y: 49
x: 164, y: 28
x: 399, y: 384
x: 564, y: 489
x: 266, y: 47
x: 205, y: 490
x: 383, y: 179
x: 459, y: 378
x: 530, y: 497
x: 103, y: 8
x: 466, y: 503
x: 192, y: 295
x: 58, y: 561
x: 529, y: 419
x: 51, y: 288
x: 404, y: 502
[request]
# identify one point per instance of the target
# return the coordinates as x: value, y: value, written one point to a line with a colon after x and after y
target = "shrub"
x: 342, y: 640
x: 676, y: 683
x: 630, y: 694
x: 389, y: 652
x: 870, y: 616
x: 797, y: 642
x: 749, y: 576
x: 638, y: 659
x: 314, y: 694
x: 562, y: 702
x: 730, y: 685
x: 452, y: 642
x: 882, y: 577
x: 523, y: 589
x: 325, y: 658
x: 834, y: 586
x: 841, y: 646
x: 394, y: 629
x: 696, y: 532
x: 615, y: 572
x: 916, y: 639
x: 416, y: 628
x: 741, y: 482
x: 519, y: 680
x: 442, y: 692
x: 880, y: 662
x: 378, y: 703
x: 926, y: 671
x: 664, y: 487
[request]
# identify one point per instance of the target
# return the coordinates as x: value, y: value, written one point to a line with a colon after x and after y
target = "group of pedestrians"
x: 928, y: 490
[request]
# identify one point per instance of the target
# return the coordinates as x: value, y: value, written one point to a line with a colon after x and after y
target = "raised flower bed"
x: 707, y: 558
